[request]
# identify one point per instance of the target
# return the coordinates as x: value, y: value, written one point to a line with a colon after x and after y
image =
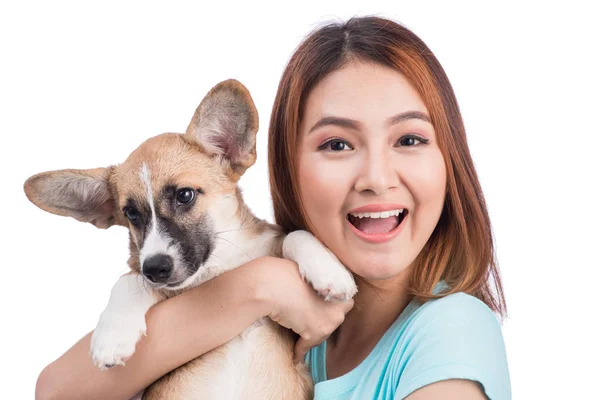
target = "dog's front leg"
x: 319, y: 266
x: 123, y: 321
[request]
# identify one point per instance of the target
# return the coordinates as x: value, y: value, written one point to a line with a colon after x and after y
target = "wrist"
x: 260, y: 276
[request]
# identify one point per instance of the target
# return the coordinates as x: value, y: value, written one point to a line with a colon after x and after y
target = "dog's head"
x: 176, y: 192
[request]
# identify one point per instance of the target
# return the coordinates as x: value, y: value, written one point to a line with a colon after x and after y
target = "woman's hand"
x: 179, y: 329
x: 294, y: 304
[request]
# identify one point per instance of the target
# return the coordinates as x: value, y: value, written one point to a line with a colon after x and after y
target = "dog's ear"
x: 82, y: 194
x: 225, y: 124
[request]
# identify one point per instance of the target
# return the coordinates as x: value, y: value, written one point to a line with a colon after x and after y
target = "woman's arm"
x: 459, y: 389
x: 179, y: 330
x: 186, y: 326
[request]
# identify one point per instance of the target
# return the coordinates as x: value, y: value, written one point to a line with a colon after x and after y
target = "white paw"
x: 329, y: 280
x: 114, y: 339
x: 319, y: 266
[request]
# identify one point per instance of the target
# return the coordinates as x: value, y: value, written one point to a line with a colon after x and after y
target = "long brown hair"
x: 460, y: 250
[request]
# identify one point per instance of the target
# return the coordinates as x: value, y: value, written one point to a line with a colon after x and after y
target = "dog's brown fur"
x: 100, y: 195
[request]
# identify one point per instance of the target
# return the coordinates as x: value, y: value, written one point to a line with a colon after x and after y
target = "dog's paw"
x: 114, y: 339
x: 331, y: 283
x: 319, y: 266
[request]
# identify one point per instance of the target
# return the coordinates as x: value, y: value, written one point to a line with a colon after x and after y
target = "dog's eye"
x: 185, y: 196
x: 132, y: 214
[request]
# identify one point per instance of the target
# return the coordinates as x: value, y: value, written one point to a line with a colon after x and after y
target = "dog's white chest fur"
x: 251, y: 366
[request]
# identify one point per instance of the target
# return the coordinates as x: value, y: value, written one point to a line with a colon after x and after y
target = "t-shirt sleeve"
x: 456, y: 337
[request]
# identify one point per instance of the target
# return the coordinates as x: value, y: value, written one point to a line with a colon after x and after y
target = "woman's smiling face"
x: 365, y: 140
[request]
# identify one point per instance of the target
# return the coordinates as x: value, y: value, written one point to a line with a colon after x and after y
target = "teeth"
x: 383, y: 214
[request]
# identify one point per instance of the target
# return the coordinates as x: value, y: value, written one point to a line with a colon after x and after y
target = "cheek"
x: 322, y: 187
x: 427, y: 183
x: 430, y: 185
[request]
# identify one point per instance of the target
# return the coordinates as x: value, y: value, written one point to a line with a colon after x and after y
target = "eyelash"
x: 333, y: 140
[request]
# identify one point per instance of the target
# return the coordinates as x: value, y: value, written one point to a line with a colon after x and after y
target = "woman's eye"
x: 335, y: 145
x: 185, y: 196
x: 411, y: 141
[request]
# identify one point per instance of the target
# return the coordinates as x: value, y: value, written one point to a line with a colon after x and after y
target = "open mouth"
x: 377, y: 223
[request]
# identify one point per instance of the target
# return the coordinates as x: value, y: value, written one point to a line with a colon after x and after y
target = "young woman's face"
x: 366, y: 140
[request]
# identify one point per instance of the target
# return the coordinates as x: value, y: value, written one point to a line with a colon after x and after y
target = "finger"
x: 300, y: 350
x: 347, y: 306
x: 303, y: 346
x: 344, y: 306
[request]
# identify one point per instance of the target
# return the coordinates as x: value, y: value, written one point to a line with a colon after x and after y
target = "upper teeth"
x: 384, y: 214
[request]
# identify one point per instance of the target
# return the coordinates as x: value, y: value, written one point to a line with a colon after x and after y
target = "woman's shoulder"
x: 457, y: 327
x: 453, y: 337
x: 457, y: 308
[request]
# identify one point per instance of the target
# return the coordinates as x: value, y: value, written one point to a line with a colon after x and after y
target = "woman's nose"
x: 377, y: 175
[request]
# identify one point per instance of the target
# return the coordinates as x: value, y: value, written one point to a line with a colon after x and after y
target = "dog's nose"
x: 158, y: 268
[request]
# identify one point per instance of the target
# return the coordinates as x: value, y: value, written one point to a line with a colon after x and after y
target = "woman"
x: 364, y: 121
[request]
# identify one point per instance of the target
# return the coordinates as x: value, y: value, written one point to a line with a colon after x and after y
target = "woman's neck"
x: 375, y: 310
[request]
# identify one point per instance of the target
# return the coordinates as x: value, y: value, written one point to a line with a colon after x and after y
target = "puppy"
x: 178, y: 195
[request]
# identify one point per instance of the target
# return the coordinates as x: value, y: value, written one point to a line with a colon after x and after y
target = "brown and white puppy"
x: 178, y: 195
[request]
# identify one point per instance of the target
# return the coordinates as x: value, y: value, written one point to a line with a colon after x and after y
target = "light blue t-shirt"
x: 456, y: 336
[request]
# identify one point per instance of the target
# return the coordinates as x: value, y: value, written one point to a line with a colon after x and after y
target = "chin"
x: 380, y: 275
x: 377, y: 268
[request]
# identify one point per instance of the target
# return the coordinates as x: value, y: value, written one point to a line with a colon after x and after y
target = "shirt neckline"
x: 347, y: 382
x: 350, y: 379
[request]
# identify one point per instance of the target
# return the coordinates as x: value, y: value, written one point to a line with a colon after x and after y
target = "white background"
x: 82, y: 85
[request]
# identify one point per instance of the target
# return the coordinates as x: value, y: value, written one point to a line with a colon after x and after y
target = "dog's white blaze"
x: 156, y: 242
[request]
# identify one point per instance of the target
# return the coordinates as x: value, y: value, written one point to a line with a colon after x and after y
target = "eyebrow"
x: 352, y: 124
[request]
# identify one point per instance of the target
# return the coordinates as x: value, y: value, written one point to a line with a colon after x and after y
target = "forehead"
x: 170, y: 161
x: 366, y: 92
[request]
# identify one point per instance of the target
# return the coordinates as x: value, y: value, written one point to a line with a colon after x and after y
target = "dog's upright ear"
x: 82, y: 194
x: 225, y: 125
